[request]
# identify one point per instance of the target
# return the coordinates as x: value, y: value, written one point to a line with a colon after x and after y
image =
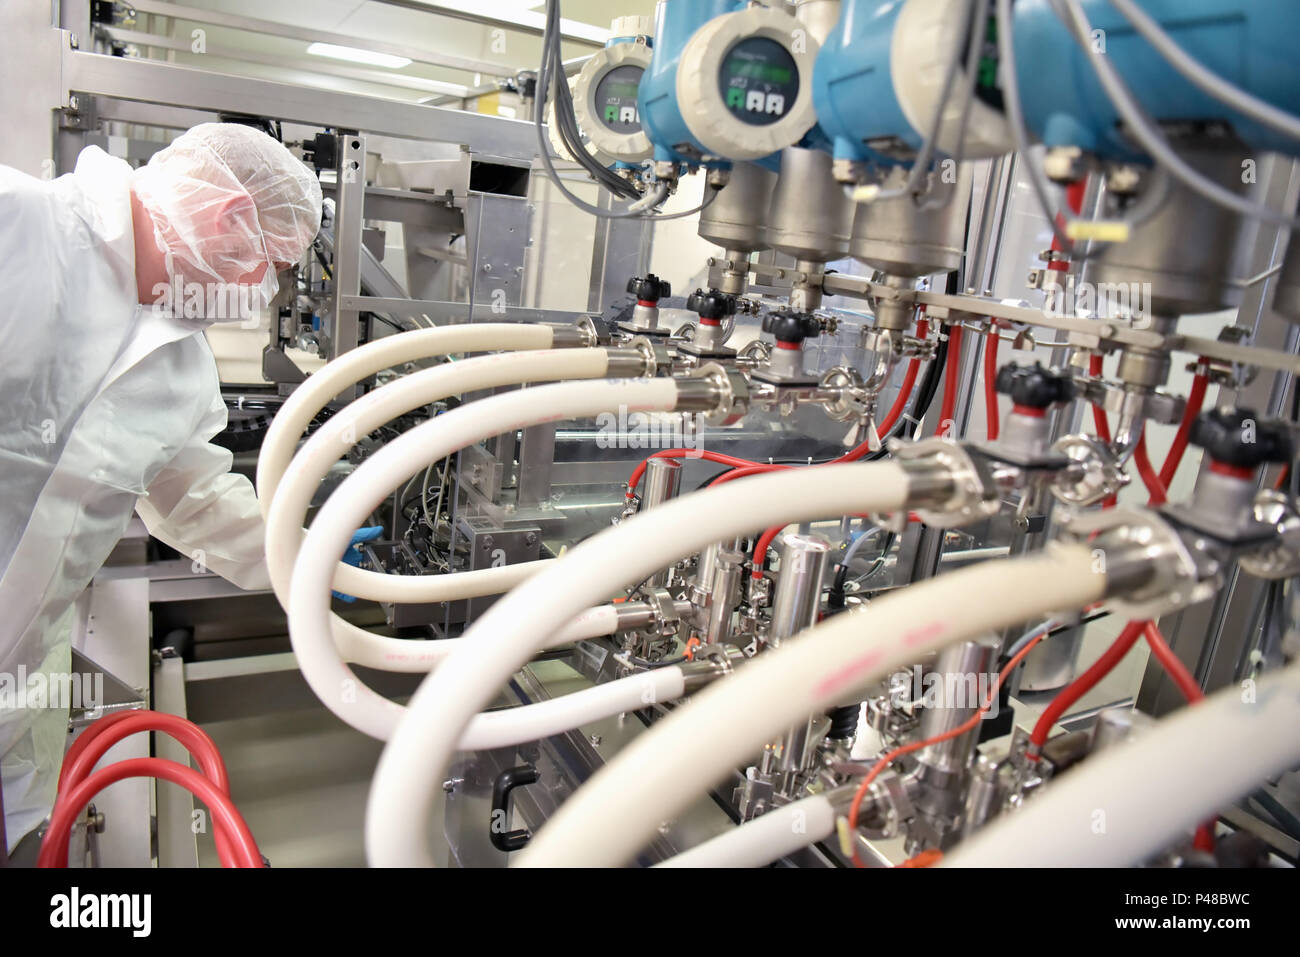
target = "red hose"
x: 243, y: 851
x: 1195, y: 399
x: 951, y: 375
x: 1172, y: 664
x: 1081, y: 685
x: 990, y: 382
x: 93, y: 743
x: 1149, y: 477
x: 1191, y: 691
x: 760, y: 549
x: 635, y: 478
x: 1099, y: 419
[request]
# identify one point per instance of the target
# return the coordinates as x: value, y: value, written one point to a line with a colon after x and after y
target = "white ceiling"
x: 362, y: 20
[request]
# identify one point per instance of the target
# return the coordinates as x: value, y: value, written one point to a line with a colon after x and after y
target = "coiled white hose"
x: 309, y: 611
x: 352, y: 367
x: 509, y: 633
x: 299, y: 482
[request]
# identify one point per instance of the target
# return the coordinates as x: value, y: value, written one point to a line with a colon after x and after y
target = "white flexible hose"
x: 352, y: 367
x: 417, y: 657
x: 299, y: 482
x: 309, y: 610
x: 347, y: 370
x: 765, y: 839
x: 1127, y: 803
x: 501, y: 729
x: 509, y: 633
x: 725, y: 726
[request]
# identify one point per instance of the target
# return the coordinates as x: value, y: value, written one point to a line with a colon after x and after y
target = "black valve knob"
x: 649, y: 288
x: 1035, y: 386
x: 792, y: 327
x: 714, y: 304
x: 1238, y: 437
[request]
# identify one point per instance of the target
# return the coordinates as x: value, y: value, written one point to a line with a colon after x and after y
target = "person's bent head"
x: 229, y: 206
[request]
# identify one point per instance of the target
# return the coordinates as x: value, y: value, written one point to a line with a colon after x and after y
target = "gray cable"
x: 1204, y: 78
x: 1020, y: 133
x: 637, y: 209
x: 1145, y: 132
x: 921, y: 165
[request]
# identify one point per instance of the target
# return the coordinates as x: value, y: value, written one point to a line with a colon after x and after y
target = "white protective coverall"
x: 107, y: 406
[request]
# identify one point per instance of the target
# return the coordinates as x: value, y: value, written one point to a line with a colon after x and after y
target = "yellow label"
x: 1099, y: 230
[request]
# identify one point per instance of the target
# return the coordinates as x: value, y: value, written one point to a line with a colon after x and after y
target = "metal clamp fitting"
x: 1149, y: 569
x: 1096, y: 471
x: 721, y: 394
x: 951, y: 488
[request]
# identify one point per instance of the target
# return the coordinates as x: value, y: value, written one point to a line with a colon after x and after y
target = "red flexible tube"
x: 1172, y: 664
x: 760, y: 549
x: 1195, y: 399
x: 1177, y: 671
x: 635, y: 478
x: 951, y: 375
x: 990, y: 382
x: 54, y: 848
x: 84, y: 739
x: 905, y: 390
x: 93, y: 743
x: 1081, y: 685
x: 855, y: 808
x: 1100, y: 421
x: 1149, y: 477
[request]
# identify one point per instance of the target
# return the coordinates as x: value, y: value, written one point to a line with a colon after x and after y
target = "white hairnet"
x: 227, y: 199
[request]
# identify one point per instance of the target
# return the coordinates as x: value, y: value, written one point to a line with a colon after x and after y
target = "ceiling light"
x: 368, y: 57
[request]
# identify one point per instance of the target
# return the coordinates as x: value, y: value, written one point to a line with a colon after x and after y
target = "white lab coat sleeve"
x: 206, y: 512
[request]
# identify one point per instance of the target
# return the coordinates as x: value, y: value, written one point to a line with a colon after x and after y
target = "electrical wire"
x: 855, y: 808
x: 539, y: 115
x: 921, y: 165
x: 1144, y: 130
x: 1203, y: 78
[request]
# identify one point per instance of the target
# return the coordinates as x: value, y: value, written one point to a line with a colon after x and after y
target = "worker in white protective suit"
x: 109, y: 393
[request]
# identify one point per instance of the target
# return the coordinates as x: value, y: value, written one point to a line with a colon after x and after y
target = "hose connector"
x: 1095, y: 472
x: 948, y: 487
x: 581, y: 334
x: 652, y: 357
x: 721, y: 394
x: 711, y: 663
x: 1150, y: 570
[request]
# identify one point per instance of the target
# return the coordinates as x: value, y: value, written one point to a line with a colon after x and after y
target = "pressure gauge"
x: 605, y: 104
x: 744, y: 83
